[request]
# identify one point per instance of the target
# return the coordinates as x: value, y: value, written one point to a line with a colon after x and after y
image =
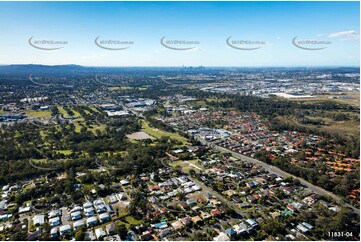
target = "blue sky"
x: 208, y: 23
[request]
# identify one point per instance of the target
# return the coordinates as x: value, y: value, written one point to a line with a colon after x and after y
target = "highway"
x: 280, y: 172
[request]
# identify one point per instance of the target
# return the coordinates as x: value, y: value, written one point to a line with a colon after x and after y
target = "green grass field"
x: 41, y: 114
x: 93, y: 108
x: 77, y: 127
x: 159, y: 133
x: 65, y: 152
x: 76, y: 113
x: 120, y: 88
x: 62, y: 111
x: 43, y: 134
x: 95, y: 127
x: 130, y: 221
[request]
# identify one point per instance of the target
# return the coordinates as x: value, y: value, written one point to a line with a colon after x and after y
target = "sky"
x: 266, y: 29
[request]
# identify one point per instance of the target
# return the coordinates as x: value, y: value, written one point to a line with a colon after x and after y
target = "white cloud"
x: 345, y: 35
x: 194, y: 49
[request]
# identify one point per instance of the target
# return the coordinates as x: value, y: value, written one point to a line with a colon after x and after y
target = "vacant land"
x: 139, y: 136
x: 159, y: 133
x: 186, y: 166
x: 346, y: 128
x: 350, y: 98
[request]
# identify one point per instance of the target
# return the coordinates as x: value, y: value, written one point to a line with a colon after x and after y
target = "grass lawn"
x: 27, y: 188
x: 120, y: 88
x: 185, y: 167
x: 76, y: 113
x: 217, y: 99
x: 196, y: 163
x: 42, y: 133
x: 198, y: 103
x: 89, y: 187
x: 101, y: 127
x: 93, y: 108
x: 77, y: 126
x: 62, y: 111
x: 42, y: 113
x: 122, y: 214
x: 132, y: 220
x: 129, y: 220
x: 159, y: 133
x: 65, y: 152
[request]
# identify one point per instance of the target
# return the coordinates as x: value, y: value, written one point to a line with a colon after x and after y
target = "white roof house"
x: 75, y: 215
x: 92, y: 221
x: 65, y: 229
x: 113, y: 199
x: 124, y: 182
x: 104, y: 217
x: 241, y: 228
x: 87, y: 205
x: 196, y: 188
x: 89, y: 212
x: 78, y: 224
x: 98, y: 202
x: 122, y: 196
x: 75, y: 209
x: 55, y: 221
x: 54, y: 213
x: 39, y: 220
x: 251, y: 222
x: 221, y: 237
x: 101, y: 208
x: 302, y: 228
x: 24, y: 209
x: 54, y: 232
x: 100, y: 233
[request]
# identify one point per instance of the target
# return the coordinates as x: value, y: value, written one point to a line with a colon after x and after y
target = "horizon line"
x: 195, y: 66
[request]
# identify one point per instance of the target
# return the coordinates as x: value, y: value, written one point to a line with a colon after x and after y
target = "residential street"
x: 279, y: 172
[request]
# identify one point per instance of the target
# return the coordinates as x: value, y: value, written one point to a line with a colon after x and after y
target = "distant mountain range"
x: 30, y: 68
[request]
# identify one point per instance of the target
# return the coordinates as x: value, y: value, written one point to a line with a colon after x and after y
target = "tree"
x: 121, y: 230
x: 138, y: 203
x: 192, y: 172
x: 273, y: 227
x: 79, y: 235
x: 200, y: 237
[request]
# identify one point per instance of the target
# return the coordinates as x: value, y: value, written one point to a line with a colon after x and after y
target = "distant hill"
x: 41, y: 69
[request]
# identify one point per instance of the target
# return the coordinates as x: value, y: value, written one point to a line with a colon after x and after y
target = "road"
x: 280, y: 172
x: 215, y: 194
x: 64, y: 219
